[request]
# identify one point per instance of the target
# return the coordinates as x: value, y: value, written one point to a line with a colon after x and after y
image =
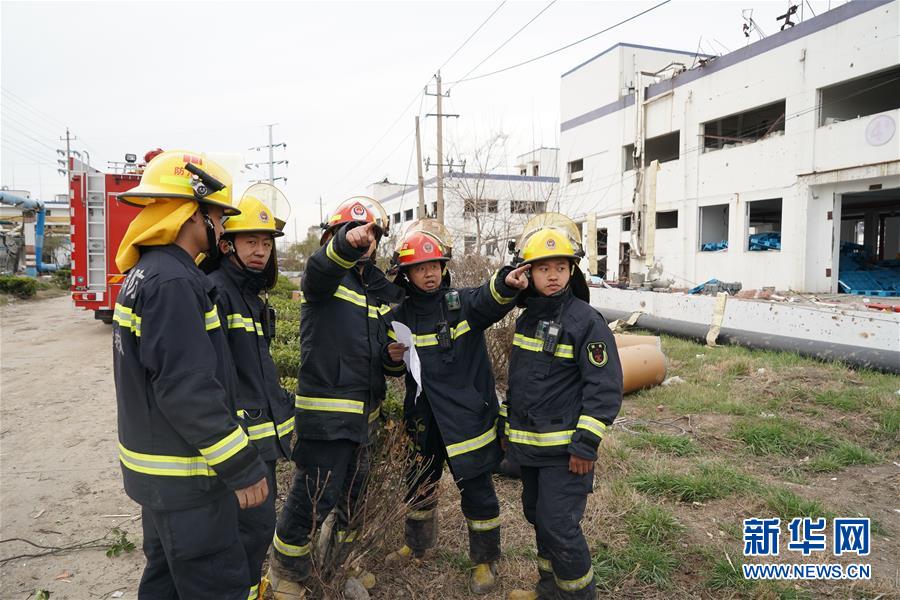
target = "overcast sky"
x: 131, y: 76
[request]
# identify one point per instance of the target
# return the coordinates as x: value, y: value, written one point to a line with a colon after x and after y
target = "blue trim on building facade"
x: 639, y: 47
x: 828, y: 19
x: 411, y: 188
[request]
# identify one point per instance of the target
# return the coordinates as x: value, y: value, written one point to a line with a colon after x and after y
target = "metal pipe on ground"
x: 870, y: 358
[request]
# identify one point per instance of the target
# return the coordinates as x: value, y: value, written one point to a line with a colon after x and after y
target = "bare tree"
x: 493, y: 206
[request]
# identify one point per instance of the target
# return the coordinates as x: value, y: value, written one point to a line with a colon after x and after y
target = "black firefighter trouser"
x: 332, y: 475
x: 553, y: 500
x: 257, y: 525
x: 194, y: 553
x: 478, y: 498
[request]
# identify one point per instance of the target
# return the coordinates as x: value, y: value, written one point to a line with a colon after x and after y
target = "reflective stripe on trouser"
x: 553, y: 500
x: 334, y: 473
x: 477, y: 497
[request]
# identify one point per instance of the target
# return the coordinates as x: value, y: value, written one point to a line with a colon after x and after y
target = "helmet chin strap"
x: 213, y: 252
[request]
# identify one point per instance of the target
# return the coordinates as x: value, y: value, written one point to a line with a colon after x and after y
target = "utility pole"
x: 321, y: 217
x: 421, y: 179
x: 68, y: 139
x: 440, y: 145
x: 440, y: 151
x: 271, y: 162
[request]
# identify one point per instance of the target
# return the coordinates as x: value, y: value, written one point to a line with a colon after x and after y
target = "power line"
x: 38, y: 127
x: 418, y: 94
x: 23, y: 150
x: 14, y: 125
x: 30, y: 107
x: 468, y: 39
x: 566, y: 47
x: 43, y: 115
x: 508, y: 40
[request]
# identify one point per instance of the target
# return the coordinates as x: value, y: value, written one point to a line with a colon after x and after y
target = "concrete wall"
x: 848, y: 42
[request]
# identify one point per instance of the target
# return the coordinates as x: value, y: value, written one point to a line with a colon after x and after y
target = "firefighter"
x: 247, y: 268
x: 453, y: 418
x: 185, y: 457
x: 565, y: 390
x: 340, y: 389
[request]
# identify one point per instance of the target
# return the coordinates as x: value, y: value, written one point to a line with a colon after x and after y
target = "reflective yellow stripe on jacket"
x: 498, y: 297
x: 212, y: 319
x: 348, y: 295
x: 225, y: 448
x: 331, y: 253
x: 430, y: 339
x: 126, y: 319
x: 535, y: 345
x: 238, y: 321
x: 330, y: 404
x: 531, y: 438
x: 474, y: 443
x: 168, y: 466
x: 593, y: 425
x: 285, y: 428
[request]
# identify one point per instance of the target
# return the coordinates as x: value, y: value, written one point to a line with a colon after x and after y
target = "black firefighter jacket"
x: 267, y: 409
x: 180, y: 443
x: 560, y: 403
x: 457, y: 382
x: 340, y: 383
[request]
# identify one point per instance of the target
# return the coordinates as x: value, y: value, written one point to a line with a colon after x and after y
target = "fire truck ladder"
x: 96, y: 231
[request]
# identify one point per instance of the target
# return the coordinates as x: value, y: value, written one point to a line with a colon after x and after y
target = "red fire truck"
x: 99, y: 221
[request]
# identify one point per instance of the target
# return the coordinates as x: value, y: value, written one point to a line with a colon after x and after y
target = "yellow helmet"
x: 183, y: 175
x: 255, y: 217
x: 547, y: 243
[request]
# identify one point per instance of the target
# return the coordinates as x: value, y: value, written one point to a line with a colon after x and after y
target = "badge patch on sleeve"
x: 596, y: 352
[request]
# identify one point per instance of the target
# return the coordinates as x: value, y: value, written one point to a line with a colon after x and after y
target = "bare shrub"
x: 382, y: 507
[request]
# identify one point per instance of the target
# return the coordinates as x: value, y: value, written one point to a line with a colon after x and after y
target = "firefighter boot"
x: 365, y: 578
x: 402, y: 556
x: 420, y: 533
x: 483, y: 578
x: 281, y: 587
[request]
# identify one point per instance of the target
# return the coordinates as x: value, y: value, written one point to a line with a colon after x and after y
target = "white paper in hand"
x: 410, y: 357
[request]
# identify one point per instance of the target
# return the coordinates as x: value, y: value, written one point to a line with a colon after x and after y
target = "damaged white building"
x: 483, y: 209
x: 758, y: 166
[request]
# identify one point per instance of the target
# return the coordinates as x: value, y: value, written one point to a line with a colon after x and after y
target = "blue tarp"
x: 765, y: 241
x: 714, y: 246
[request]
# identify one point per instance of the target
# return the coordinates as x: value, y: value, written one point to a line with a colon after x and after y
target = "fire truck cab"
x: 99, y: 221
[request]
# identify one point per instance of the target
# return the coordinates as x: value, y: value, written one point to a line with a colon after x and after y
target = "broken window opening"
x: 481, y: 205
x: 576, y: 170
x: 626, y: 222
x: 667, y: 219
x: 628, y: 157
x: 602, y: 251
x: 867, y: 95
x: 526, y: 207
x: 714, y: 228
x: 745, y: 127
x: 663, y: 148
x: 408, y: 214
x: 764, y: 225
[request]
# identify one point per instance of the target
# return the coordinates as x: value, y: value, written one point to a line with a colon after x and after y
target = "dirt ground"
x: 60, y: 482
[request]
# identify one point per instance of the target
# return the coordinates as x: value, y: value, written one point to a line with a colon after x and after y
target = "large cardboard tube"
x: 624, y: 340
x: 643, y: 366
